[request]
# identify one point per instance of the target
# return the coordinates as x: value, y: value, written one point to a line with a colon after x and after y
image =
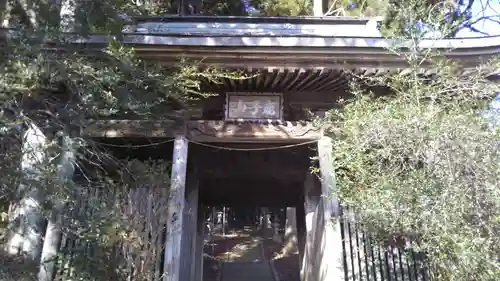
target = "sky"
x: 480, y: 9
x: 484, y: 8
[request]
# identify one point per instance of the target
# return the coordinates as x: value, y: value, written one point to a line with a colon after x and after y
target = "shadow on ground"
x: 246, y: 246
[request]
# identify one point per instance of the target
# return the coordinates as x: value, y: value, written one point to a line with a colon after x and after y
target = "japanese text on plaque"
x: 254, y: 107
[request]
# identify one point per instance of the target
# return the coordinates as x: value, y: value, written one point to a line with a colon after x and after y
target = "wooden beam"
x: 223, y: 131
x: 131, y: 129
x: 175, y: 210
x: 205, y: 130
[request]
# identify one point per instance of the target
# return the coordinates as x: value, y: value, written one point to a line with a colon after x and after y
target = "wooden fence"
x: 115, y: 233
x: 368, y: 260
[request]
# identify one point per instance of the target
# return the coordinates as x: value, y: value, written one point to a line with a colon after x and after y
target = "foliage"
x: 59, y: 87
x: 436, y: 15
x: 116, y: 224
x: 401, y: 18
x: 284, y: 7
x: 113, y: 225
x: 418, y: 160
x: 256, y: 7
x: 456, y: 12
x: 366, y: 8
x: 114, y: 82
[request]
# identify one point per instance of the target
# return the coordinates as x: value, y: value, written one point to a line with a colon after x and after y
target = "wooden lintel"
x: 222, y: 131
x: 132, y: 129
x: 206, y: 130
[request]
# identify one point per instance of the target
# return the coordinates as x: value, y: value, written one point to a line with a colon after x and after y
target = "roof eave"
x: 290, y: 52
x: 293, y: 52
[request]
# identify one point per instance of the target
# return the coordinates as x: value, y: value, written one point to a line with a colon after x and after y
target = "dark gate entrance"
x: 245, y: 194
x: 242, y: 243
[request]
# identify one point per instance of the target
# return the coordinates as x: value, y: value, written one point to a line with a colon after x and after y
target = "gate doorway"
x: 245, y: 243
x: 246, y: 191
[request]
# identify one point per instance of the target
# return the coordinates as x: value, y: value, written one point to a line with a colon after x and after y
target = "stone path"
x: 247, y: 251
x: 246, y: 262
x: 246, y: 271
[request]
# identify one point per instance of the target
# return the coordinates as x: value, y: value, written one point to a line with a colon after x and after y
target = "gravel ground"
x: 286, y: 267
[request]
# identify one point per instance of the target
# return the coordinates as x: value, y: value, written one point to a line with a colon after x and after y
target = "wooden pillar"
x: 175, y: 210
x: 53, y: 233
x: 323, y: 253
x: 313, y: 227
x: 332, y: 262
x: 189, y: 229
x: 200, y: 241
x: 301, y: 232
x: 291, y: 242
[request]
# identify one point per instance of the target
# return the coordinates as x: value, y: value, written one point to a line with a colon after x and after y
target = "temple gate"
x: 241, y: 160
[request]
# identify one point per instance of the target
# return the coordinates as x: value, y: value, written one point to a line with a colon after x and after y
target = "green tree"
x: 419, y: 161
x: 283, y: 7
x: 47, y: 95
x: 455, y: 15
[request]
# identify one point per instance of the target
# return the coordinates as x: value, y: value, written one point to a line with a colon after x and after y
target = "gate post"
x: 176, y: 209
x: 200, y: 237
x: 53, y: 232
x: 323, y: 257
x: 332, y: 262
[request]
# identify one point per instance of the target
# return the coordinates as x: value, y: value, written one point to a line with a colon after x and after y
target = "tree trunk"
x: 65, y: 171
x: 26, y: 219
x: 6, y: 13
x: 318, y: 8
x: 31, y: 13
x: 68, y: 15
x: 30, y: 9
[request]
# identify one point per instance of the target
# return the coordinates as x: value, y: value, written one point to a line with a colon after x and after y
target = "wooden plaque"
x: 265, y: 106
